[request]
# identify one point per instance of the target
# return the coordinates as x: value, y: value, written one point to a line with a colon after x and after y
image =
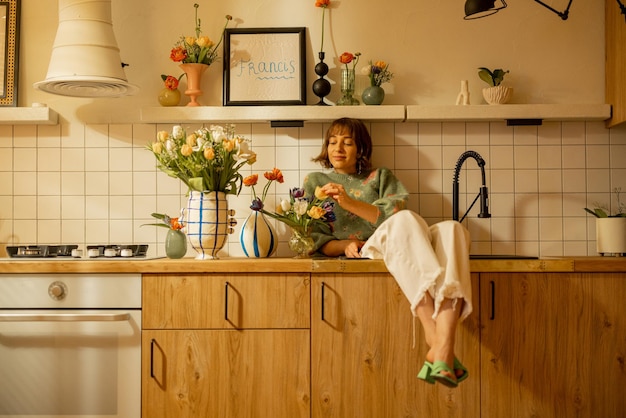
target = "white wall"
x: 88, y: 180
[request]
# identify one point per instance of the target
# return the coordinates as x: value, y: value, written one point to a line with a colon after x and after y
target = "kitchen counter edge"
x: 292, y: 265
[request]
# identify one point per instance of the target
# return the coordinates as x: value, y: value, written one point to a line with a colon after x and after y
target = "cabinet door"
x: 225, y: 374
x: 366, y: 352
x: 226, y: 301
x: 552, y: 345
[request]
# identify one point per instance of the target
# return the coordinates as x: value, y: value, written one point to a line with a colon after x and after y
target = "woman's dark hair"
x: 362, y: 139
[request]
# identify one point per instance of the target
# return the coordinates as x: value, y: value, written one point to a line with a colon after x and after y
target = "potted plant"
x: 610, y: 228
x: 496, y: 93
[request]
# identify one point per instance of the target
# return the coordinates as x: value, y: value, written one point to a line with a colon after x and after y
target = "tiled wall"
x: 97, y: 184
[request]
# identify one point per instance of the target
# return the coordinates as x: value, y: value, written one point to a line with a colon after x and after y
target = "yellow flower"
x: 204, y: 42
x: 209, y: 153
x: 316, y: 212
x: 190, y: 40
x: 162, y: 136
x: 192, y: 140
x: 228, y: 144
x: 157, y: 147
x: 319, y: 193
x: 186, y: 150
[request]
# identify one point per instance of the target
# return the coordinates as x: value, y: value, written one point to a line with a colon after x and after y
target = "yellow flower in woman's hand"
x: 319, y: 193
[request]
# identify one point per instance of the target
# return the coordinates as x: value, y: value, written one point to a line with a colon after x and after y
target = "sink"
x: 501, y: 257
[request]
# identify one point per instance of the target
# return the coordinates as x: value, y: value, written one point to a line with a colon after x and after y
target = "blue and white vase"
x: 206, y: 223
x: 257, y: 237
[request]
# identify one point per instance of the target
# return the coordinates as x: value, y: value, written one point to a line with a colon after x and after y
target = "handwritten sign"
x: 264, y: 67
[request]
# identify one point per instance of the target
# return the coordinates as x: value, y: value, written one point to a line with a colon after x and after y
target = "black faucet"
x: 483, y: 193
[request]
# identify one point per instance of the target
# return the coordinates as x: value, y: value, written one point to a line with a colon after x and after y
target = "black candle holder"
x: 321, y: 86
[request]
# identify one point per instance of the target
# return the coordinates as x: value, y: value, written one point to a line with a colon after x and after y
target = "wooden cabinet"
x: 366, y: 352
x: 552, y: 344
x: 615, y: 64
x: 226, y: 346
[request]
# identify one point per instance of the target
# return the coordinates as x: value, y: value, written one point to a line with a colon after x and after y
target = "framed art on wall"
x: 9, y: 43
x: 264, y: 66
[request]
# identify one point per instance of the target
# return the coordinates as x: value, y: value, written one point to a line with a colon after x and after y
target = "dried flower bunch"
x: 378, y: 73
x: 198, y: 49
x: 302, y: 213
x: 252, y: 180
x: 603, y: 211
x: 207, y: 160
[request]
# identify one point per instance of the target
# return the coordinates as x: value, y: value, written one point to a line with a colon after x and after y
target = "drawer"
x: 225, y: 301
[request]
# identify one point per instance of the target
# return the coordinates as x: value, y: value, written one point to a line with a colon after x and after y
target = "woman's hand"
x: 348, y: 247
x: 361, y: 209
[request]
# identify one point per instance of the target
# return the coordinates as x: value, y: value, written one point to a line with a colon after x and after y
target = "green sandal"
x: 436, y: 373
x: 424, y: 374
x: 459, y: 366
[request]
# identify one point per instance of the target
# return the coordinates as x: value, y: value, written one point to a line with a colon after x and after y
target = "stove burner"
x: 93, y: 251
x: 110, y: 251
x: 40, y: 251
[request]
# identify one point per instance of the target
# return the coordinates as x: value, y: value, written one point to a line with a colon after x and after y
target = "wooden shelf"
x: 28, y: 116
x: 249, y: 114
x: 547, y: 112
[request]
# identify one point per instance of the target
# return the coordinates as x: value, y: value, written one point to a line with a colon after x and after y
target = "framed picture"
x: 9, y: 42
x: 264, y: 67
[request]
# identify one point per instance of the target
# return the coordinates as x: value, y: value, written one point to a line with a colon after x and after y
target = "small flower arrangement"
x: 171, y: 82
x: 301, y: 212
x: 206, y: 160
x: 252, y: 180
x: 323, y: 4
x: 348, y: 57
x: 378, y: 73
x: 198, y: 49
x: 167, y: 222
x: 603, y: 211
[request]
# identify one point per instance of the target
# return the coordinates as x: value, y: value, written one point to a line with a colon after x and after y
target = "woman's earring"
x: 358, y: 167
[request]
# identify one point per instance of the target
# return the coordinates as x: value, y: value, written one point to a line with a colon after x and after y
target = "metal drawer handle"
x: 64, y: 317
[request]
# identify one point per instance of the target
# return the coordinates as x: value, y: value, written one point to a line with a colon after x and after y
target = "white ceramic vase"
x: 498, y: 94
x: 611, y: 236
x: 257, y: 237
x: 206, y: 223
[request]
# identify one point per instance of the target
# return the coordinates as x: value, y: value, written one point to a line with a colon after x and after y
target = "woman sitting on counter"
x: 430, y: 263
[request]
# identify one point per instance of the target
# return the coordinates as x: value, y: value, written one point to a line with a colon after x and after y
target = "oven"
x: 70, y: 345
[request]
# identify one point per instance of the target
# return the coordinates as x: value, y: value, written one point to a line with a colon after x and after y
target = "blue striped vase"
x: 258, y: 238
x: 207, y: 223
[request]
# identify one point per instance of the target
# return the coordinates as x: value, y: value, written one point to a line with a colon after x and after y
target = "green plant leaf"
x: 485, y: 75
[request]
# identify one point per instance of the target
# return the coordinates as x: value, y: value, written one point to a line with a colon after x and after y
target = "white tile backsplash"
x: 98, y: 184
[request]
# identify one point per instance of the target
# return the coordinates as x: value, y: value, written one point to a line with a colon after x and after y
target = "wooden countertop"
x: 286, y: 265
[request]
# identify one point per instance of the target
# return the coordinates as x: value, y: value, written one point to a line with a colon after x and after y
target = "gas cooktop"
x: 73, y: 251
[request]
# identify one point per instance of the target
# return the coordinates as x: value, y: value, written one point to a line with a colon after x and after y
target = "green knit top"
x: 379, y: 187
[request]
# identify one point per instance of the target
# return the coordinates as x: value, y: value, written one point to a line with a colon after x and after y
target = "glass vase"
x: 347, y: 89
x: 301, y: 243
x: 373, y: 95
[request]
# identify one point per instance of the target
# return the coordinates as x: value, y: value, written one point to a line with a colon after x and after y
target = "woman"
x: 430, y: 263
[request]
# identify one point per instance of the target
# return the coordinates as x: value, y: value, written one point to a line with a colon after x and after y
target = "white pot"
x: 206, y: 220
x: 498, y: 94
x: 611, y: 235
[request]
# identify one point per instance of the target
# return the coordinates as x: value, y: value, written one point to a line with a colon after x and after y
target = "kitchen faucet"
x: 483, y: 193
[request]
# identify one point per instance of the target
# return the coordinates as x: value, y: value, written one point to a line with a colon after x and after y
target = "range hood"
x: 85, y: 60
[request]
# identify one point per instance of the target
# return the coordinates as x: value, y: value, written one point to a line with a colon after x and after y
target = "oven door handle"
x: 64, y: 317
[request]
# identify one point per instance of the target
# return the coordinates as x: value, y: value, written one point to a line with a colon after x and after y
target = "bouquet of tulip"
x: 378, y: 73
x: 206, y: 160
x: 252, y: 180
x: 198, y: 49
x: 301, y: 213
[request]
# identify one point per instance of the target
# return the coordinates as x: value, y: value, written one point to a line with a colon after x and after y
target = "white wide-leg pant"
x: 424, y: 258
